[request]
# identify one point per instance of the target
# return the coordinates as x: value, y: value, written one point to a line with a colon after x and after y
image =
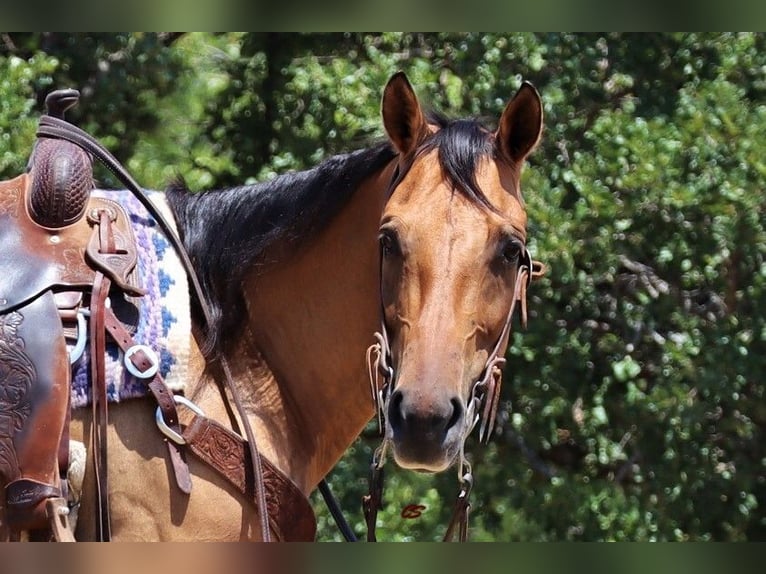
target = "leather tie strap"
x: 373, y: 501
x: 161, y: 393
x: 98, y: 374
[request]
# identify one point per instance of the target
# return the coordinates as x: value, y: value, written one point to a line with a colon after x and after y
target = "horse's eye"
x: 511, y: 250
x: 389, y: 245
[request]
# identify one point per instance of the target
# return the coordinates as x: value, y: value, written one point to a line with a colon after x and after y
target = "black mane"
x: 228, y: 232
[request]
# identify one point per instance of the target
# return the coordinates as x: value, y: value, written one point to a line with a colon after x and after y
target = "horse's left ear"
x: 521, y: 124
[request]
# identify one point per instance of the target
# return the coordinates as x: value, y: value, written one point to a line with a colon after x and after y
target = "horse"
x: 415, y: 242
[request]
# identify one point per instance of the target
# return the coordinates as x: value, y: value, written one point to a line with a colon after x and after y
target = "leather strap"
x: 98, y: 298
x: 373, y: 501
x: 459, y: 519
x: 289, y: 512
x: 161, y: 393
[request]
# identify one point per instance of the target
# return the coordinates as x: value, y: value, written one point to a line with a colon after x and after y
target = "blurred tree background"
x: 633, y: 405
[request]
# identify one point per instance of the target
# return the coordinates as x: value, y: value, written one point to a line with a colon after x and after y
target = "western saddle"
x: 65, y: 257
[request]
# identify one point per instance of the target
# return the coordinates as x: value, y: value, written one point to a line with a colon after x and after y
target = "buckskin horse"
x: 384, y: 280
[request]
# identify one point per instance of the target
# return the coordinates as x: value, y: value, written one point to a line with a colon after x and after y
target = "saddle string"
x: 53, y: 127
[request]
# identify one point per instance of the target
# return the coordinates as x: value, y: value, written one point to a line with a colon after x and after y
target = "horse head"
x: 452, y: 243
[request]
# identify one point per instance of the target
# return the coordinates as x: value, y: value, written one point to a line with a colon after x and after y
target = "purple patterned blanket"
x: 164, y: 322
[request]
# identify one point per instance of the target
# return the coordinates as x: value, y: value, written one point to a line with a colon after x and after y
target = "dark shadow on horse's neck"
x: 229, y: 233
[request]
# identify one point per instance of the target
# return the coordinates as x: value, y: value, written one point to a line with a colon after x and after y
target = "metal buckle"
x: 151, y: 370
x: 163, y: 426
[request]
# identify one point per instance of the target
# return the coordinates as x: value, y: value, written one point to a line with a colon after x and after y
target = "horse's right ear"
x: 403, y: 118
x: 521, y: 124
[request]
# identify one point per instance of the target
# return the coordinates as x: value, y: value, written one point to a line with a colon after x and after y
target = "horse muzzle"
x: 425, y: 435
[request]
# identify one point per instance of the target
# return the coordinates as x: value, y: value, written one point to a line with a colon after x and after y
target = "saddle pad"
x: 164, y: 322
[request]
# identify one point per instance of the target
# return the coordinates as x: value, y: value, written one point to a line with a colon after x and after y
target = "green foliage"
x: 18, y: 79
x: 633, y: 406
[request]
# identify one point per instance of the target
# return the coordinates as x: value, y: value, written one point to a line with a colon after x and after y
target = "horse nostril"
x: 457, y: 413
x: 395, y: 415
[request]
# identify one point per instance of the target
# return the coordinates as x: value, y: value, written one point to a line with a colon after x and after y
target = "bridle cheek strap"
x: 486, y: 390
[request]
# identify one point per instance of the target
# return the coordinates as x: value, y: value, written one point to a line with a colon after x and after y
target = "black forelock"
x: 461, y: 145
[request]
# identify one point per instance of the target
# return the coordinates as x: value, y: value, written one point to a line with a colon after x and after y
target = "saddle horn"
x: 61, y: 172
x: 59, y: 101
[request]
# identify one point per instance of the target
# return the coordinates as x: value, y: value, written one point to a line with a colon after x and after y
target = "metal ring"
x: 150, y: 370
x: 82, y: 337
x: 163, y: 426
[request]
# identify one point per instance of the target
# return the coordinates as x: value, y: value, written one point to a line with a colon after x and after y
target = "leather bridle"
x: 486, y: 389
x: 482, y: 405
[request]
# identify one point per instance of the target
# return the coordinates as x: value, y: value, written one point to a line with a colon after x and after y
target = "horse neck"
x: 301, y: 359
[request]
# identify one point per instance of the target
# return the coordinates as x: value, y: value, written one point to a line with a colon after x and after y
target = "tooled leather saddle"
x: 67, y: 256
